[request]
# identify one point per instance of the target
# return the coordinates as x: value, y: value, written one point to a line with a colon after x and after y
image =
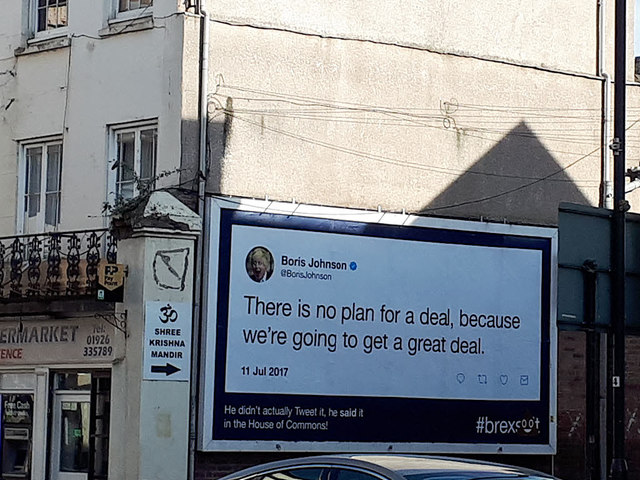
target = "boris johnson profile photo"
x: 259, y: 264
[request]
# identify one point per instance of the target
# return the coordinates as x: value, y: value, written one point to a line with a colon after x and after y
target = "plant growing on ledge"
x: 144, y: 188
x: 151, y: 207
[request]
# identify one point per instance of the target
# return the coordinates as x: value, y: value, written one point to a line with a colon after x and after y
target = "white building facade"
x: 91, y: 96
x: 495, y: 112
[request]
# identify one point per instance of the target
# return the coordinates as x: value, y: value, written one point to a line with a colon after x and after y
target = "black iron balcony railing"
x: 53, y: 264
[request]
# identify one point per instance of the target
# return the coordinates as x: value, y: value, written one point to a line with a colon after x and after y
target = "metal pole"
x: 618, y: 463
x: 590, y: 276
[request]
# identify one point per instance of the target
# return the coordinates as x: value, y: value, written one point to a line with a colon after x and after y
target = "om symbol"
x: 168, y: 314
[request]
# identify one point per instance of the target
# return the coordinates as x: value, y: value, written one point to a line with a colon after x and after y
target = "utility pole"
x: 619, y: 468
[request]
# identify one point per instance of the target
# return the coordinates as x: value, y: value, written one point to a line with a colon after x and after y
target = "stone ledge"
x: 159, y: 210
x: 119, y: 26
x: 43, y: 45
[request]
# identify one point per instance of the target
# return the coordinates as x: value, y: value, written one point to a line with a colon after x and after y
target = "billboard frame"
x: 206, y: 442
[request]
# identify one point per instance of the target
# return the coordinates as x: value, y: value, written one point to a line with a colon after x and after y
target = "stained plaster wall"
x: 363, y: 124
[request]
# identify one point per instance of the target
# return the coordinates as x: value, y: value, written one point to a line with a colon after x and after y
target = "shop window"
x: 17, y: 432
x: 79, y: 439
x: 72, y: 381
x: 17, y: 381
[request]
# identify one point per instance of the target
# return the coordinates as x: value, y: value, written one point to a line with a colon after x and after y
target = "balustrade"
x: 53, y: 264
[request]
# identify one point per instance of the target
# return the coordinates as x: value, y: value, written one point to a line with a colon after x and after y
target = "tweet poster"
x: 328, y: 333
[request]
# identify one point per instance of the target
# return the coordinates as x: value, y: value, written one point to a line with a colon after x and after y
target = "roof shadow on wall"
x: 505, y: 185
x: 217, y: 130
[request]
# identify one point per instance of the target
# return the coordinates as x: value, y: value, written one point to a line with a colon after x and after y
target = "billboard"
x: 333, y: 329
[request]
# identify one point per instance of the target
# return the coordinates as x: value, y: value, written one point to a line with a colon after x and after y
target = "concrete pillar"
x: 149, y: 437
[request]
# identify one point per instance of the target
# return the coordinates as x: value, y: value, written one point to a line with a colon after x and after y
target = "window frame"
x: 140, y: 12
x: 47, y: 32
x: 23, y: 191
x: 113, y: 193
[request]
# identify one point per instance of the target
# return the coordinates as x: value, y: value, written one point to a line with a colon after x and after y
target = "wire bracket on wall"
x: 616, y: 146
x: 448, y: 109
x: 219, y: 78
x: 117, y: 320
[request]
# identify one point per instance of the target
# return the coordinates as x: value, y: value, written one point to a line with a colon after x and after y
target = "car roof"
x: 397, y: 466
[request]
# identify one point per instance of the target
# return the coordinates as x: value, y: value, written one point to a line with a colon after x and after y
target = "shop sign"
x: 84, y: 340
x: 111, y: 282
x: 17, y: 409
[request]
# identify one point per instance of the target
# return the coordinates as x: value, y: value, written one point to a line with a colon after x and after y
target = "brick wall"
x: 570, y: 459
x: 632, y: 404
x: 211, y: 466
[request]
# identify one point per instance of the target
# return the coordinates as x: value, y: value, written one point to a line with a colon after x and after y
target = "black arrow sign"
x: 167, y: 369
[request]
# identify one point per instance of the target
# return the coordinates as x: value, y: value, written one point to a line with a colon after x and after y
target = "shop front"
x: 55, y: 397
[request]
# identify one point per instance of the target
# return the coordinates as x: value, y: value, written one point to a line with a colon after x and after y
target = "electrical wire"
x: 445, y: 107
x: 306, y: 108
x: 510, y: 191
x: 396, y: 120
x: 467, y: 131
x: 413, y: 165
x: 385, y: 159
x: 569, y: 126
x: 336, y: 212
x: 517, y: 189
x: 408, y: 114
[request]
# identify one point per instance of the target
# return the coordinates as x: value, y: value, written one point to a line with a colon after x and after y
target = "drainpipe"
x: 199, y: 267
x: 606, y: 199
x: 204, y: 107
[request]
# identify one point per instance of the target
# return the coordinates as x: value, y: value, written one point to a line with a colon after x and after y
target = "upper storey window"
x: 129, y: 5
x: 134, y: 150
x: 136, y: 153
x: 50, y: 15
x: 40, y: 186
